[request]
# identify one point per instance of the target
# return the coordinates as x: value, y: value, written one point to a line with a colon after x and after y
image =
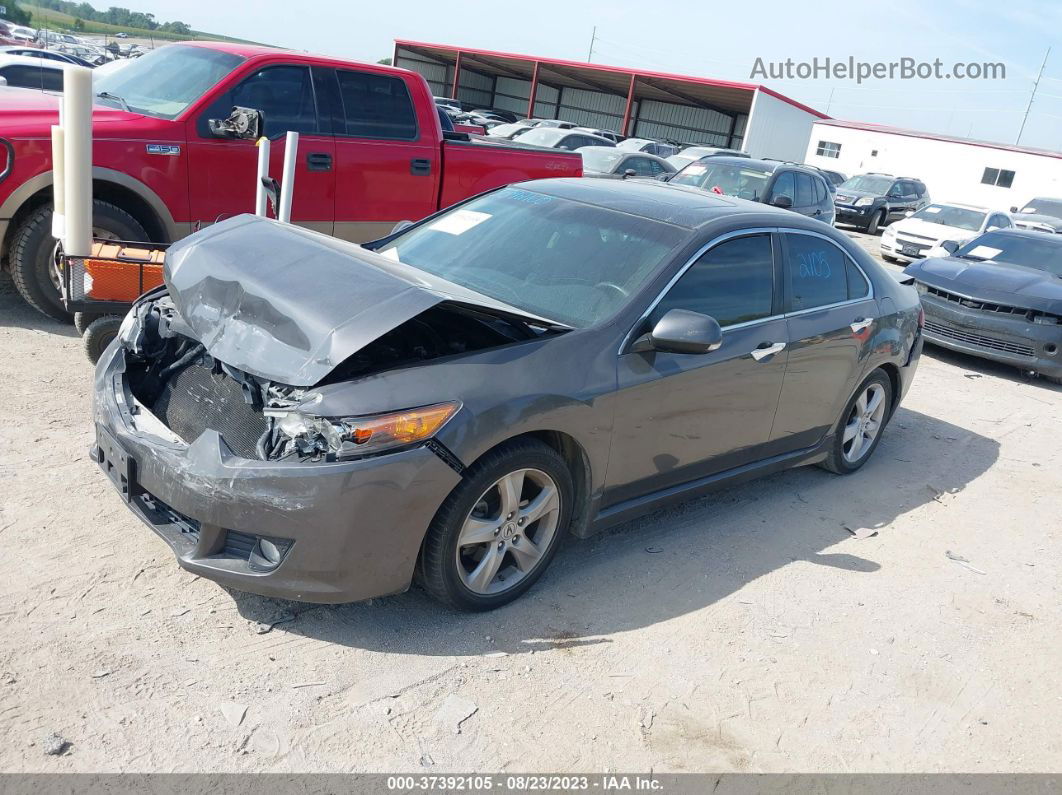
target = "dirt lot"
x: 746, y: 631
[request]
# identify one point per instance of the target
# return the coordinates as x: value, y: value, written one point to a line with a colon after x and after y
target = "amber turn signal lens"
x: 401, y: 427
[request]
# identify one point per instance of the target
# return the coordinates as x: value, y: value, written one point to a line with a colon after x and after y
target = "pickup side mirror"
x: 681, y: 331
x: 784, y: 202
x: 244, y: 123
x: 1014, y: 209
x: 950, y: 246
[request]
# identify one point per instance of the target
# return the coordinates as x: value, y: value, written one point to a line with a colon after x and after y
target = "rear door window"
x: 376, y: 106
x: 805, y: 191
x: 816, y: 272
x: 641, y: 166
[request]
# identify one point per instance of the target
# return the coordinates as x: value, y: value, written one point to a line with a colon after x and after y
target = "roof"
x: 678, y: 205
x: 725, y: 95
x: 888, y: 130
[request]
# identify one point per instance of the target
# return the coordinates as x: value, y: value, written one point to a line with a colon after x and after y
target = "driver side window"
x: 285, y: 96
x: 732, y: 282
x: 784, y: 186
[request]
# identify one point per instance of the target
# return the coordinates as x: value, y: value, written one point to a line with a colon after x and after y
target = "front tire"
x: 876, y: 222
x: 498, y: 530
x: 33, y: 253
x: 861, y: 425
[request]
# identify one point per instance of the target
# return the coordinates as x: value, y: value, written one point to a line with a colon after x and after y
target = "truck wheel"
x: 875, y: 222
x: 98, y: 335
x: 33, y: 252
x: 83, y: 319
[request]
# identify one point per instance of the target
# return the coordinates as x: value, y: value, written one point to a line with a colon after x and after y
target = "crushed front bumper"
x: 315, y: 532
x: 1009, y: 339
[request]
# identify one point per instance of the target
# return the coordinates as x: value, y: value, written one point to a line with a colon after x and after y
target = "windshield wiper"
x: 116, y: 98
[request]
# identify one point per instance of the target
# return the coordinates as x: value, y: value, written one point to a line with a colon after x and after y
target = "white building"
x: 991, y: 175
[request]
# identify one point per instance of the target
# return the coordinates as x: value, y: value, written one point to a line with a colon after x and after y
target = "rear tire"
x: 453, y: 554
x: 99, y: 334
x: 83, y: 319
x: 33, y: 253
x: 876, y: 222
x: 858, y: 421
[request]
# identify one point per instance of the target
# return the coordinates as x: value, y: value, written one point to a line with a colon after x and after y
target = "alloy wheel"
x: 508, y: 531
x: 864, y: 423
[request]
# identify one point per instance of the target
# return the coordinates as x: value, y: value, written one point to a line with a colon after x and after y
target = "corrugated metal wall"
x: 652, y: 118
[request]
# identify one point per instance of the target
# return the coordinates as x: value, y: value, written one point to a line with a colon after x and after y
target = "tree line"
x: 114, y: 15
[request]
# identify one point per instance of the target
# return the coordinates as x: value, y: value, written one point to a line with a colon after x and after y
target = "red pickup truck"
x: 371, y: 151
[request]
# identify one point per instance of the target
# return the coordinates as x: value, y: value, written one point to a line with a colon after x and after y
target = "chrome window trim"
x: 715, y: 241
x: 755, y: 230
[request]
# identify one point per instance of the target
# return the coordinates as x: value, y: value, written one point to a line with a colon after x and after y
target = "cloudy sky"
x: 722, y: 42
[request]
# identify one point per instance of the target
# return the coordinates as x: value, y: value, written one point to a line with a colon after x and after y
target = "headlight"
x: 347, y: 437
x: 866, y: 201
x: 921, y: 288
x: 889, y: 232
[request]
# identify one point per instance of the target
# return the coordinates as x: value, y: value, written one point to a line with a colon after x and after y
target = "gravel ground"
x: 747, y: 631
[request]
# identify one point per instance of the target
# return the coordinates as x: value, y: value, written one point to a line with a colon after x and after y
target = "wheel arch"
x: 125, y: 192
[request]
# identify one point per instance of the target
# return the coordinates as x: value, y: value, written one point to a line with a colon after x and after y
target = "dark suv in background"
x: 871, y: 201
x: 1039, y: 215
x: 787, y: 185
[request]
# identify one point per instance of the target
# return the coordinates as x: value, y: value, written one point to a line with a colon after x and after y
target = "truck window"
x: 285, y: 96
x: 376, y: 106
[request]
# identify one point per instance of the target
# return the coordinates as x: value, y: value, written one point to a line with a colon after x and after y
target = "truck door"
x: 221, y: 173
x: 388, y: 158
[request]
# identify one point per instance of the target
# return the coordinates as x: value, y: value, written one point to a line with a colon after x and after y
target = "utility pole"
x: 593, y: 38
x: 1032, y: 96
x: 829, y: 102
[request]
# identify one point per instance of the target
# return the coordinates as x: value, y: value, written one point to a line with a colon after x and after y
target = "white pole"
x: 58, y: 183
x: 77, y: 157
x: 260, y: 200
x: 287, y: 181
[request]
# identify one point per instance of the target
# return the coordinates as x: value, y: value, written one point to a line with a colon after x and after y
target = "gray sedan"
x: 305, y: 418
x: 613, y: 163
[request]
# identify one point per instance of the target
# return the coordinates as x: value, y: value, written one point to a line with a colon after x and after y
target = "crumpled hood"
x: 1012, y: 285
x: 287, y: 304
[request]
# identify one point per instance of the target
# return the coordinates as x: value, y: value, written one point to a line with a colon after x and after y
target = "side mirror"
x: 630, y: 172
x: 908, y: 214
x: 1014, y: 209
x: 950, y: 246
x: 244, y: 123
x: 665, y: 177
x: 784, y: 202
x: 681, y: 331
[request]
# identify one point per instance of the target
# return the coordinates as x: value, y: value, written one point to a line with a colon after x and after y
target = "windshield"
x: 745, y: 182
x: 540, y: 136
x: 600, y: 159
x: 558, y: 259
x: 868, y: 184
x: 166, y: 81
x: 958, y: 217
x: 1043, y: 252
x: 1050, y: 207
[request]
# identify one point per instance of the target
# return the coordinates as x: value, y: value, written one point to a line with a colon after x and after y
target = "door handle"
x: 319, y: 161
x: 420, y: 167
x: 766, y: 349
x: 861, y: 323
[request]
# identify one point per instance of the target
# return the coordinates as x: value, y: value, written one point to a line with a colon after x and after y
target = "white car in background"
x: 911, y: 238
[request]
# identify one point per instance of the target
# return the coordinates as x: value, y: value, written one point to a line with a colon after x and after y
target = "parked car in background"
x: 1039, y: 215
x: 18, y: 71
x: 912, y: 237
x: 121, y: 35
x: 499, y: 376
x: 371, y: 151
x: 23, y: 35
x: 47, y: 55
x: 835, y: 178
x: 658, y: 148
x: 7, y: 34
x: 449, y: 102
x: 693, y: 153
x: 558, y: 138
x: 870, y: 201
x: 612, y: 136
x: 785, y: 185
x: 998, y: 296
x: 49, y: 38
x: 611, y: 162
x: 509, y: 131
